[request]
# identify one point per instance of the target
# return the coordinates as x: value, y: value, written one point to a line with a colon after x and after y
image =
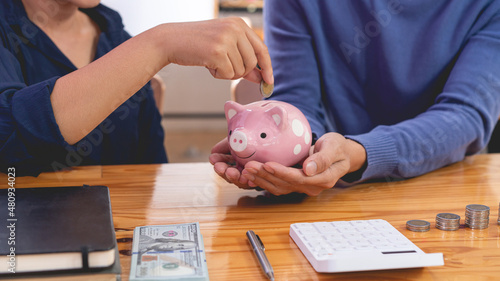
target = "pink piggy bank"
x: 266, y: 131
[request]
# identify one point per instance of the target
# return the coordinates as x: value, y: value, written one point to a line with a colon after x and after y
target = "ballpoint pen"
x: 258, y: 249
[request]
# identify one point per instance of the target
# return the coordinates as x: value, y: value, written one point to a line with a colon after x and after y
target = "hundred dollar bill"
x: 168, y: 252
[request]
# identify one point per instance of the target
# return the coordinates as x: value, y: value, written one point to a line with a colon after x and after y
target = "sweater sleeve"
x: 459, y: 123
x: 28, y: 130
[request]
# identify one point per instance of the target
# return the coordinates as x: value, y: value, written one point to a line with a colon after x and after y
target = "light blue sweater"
x: 417, y: 83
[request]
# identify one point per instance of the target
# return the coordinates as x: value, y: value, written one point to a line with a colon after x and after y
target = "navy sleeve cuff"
x: 34, y: 116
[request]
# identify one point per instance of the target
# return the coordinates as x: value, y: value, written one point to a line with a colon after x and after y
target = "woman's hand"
x: 225, y: 165
x: 227, y: 47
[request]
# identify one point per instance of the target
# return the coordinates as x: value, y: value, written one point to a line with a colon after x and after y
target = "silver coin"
x: 477, y: 207
x: 447, y: 216
x: 476, y: 217
x: 476, y: 212
x: 477, y: 226
x: 447, y: 223
x: 448, y: 228
x: 418, y: 225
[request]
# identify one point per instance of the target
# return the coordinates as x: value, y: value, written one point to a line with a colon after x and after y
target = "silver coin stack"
x: 418, y: 225
x: 447, y: 221
x: 477, y: 216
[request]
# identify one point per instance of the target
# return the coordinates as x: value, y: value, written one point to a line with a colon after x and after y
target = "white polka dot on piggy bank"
x: 267, y: 131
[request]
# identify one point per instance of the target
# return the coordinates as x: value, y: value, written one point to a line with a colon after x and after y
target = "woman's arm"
x: 227, y: 47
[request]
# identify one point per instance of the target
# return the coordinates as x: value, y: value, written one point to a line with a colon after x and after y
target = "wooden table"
x: 180, y: 193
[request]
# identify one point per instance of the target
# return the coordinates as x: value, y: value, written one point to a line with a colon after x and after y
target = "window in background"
x: 139, y: 16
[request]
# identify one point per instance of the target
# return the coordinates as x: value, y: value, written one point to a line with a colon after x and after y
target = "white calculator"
x: 359, y: 245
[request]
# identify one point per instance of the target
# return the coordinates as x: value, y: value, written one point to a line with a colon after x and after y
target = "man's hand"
x: 333, y: 156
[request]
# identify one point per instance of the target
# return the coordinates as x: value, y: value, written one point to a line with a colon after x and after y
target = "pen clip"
x: 260, y: 241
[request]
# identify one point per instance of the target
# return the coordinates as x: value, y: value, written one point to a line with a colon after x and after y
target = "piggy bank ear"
x: 231, y: 108
x: 279, y: 115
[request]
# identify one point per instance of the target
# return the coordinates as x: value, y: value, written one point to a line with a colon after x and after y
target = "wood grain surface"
x: 192, y: 192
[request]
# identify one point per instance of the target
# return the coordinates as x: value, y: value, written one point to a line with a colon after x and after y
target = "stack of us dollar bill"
x: 168, y: 252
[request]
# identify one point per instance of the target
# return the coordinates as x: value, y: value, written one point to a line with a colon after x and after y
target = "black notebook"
x: 56, y: 229
x: 112, y: 273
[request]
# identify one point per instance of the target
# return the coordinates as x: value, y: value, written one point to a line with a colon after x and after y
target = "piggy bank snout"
x: 238, y: 141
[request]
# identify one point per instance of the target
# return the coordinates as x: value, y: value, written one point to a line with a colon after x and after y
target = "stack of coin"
x: 447, y: 221
x: 477, y: 216
x: 418, y: 225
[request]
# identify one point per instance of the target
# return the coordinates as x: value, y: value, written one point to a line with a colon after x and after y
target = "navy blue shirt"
x: 30, y: 140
